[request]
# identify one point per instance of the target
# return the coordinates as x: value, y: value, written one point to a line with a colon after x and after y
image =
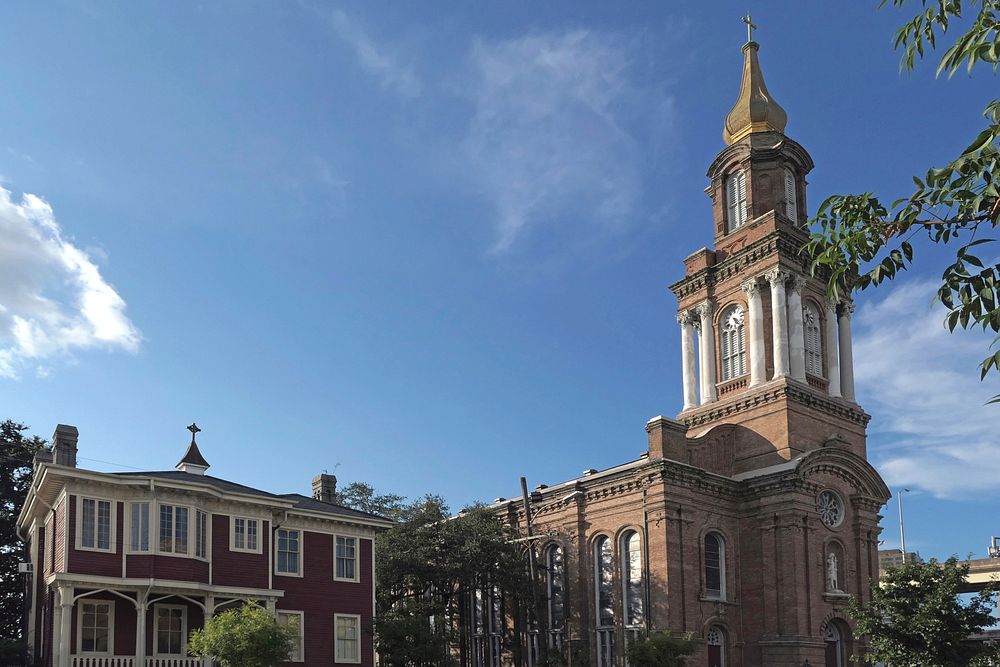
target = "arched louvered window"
x: 814, y: 340
x: 715, y: 640
x: 715, y: 566
x: 556, y: 572
x: 734, y: 349
x: 791, y: 200
x: 604, y: 575
x: 736, y: 200
x: 632, y: 584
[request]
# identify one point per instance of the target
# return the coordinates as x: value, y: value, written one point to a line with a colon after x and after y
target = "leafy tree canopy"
x: 362, y: 496
x: 661, y: 649
x: 861, y: 242
x: 248, y: 636
x: 16, y: 453
x: 915, y: 617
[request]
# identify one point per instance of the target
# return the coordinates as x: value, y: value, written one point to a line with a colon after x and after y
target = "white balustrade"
x: 173, y: 662
x: 103, y: 661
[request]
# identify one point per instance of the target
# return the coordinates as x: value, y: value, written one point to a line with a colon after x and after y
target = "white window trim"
x: 301, y: 558
x: 173, y: 526
x: 232, y: 535
x: 113, y: 531
x: 79, y: 626
x: 149, y: 527
x: 208, y: 535
x: 184, y: 630
x: 722, y: 566
x: 357, y: 558
x: 336, y: 656
x: 302, y: 632
x: 623, y: 550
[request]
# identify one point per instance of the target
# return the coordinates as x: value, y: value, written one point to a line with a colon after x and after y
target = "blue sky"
x: 428, y: 245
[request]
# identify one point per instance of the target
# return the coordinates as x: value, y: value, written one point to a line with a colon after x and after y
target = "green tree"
x: 16, y: 453
x: 426, y: 566
x: 248, y: 636
x: 661, y: 649
x: 861, y: 242
x: 362, y: 496
x: 915, y: 617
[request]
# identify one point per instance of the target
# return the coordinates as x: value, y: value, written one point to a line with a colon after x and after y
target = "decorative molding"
x: 686, y: 317
x: 705, y: 309
x: 795, y: 283
x: 776, y: 276
x: 751, y: 286
x: 846, y: 308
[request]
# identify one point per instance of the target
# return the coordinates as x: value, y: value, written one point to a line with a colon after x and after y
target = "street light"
x: 902, y: 534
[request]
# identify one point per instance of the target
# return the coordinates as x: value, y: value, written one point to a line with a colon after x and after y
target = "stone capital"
x: 795, y: 283
x: 831, y: 305
x: 776, y: 276
x: 686, y: 317
x: 751, y: 287
x: 846, y: 308
x: 705, y: 309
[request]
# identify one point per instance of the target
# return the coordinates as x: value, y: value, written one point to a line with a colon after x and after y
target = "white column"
x: 779, y: 321
x: 796, y: 330
x: 846, y: 352
x: 705, y: 312
x: 755, y: 329
x: 209, y: 613
x: 56, y: 629
x: 64, y: 599
x: 140, y: 630
x: 686, y: 321
x: 832, y: 343
x: 270, y: 603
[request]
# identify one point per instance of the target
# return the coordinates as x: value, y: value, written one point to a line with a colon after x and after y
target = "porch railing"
x: 102, y: 661
x: 174, y: 662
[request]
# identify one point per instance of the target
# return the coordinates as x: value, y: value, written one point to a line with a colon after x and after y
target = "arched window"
x: 715, y: 639
x: 632, y: 583
x: 814, y: 341
x: 736, y: 200
x: 715, y: 566
x: 555, y: 582
x: 734, y: 349
x: 604, y: 574
x: 791, y: 202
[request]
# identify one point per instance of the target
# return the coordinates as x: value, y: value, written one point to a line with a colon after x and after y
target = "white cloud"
x: 930, y: 427
x: 53, y: 299
x: 393, y: 74
x: 550, y: 136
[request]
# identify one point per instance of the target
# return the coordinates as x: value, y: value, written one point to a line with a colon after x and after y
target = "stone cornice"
x: 769, y: 393
x: 784, y: 241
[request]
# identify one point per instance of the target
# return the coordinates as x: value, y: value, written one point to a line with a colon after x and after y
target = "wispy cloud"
x: 393, y: 73
x: 551, y: 138
x: 930, y: 427
x: 53, y: 299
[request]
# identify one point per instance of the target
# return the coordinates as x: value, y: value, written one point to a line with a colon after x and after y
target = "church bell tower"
x: 762, y: 346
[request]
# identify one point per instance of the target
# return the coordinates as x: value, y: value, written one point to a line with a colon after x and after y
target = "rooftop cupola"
x: 755, y: 110
x: 193, y: 462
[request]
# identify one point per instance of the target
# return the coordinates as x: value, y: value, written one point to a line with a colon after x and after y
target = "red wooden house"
x: 125, y: 565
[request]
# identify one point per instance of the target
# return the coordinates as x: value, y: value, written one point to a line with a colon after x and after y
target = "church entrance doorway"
x: 834, y: 646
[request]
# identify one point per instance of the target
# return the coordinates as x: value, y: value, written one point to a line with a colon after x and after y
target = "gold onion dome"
x: 755, y: 110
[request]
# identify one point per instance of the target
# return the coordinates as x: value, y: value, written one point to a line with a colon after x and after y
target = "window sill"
x: 707, y: 598
x: 294, y: 575
x: 109, y: 550
x: 836, y: 596
x: 347, y: 581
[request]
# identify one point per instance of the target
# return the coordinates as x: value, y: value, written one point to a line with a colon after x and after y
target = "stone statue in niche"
x: 832, y: 572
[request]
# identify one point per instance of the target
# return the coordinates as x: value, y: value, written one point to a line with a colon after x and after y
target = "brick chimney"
x: 667, y: 439
x: 64, y: 445
x: 325, y: 487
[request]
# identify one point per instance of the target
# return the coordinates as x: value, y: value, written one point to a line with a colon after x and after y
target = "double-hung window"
x: 245, y: 536
x: 173, y: 529
x: 288, y: 558
x: 346, y: 566
x: 171, y: 630
x: 294, y: 618
x: 95, y: 632
x: 201, y: 534
x: 138, y: 527
x: 348, y: 638
x: 95, y: 524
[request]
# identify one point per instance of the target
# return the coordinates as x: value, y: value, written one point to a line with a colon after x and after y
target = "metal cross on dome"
x: 751, y: 26
x: 194, y: 430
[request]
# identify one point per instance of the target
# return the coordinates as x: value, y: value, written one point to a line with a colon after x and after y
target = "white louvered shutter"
x: 736, y: 197
x: 791, y: 203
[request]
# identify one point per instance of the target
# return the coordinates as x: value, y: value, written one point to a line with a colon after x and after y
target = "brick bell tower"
x: 763, y: 347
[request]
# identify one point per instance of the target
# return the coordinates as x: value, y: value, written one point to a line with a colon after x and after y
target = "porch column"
x: 755, y: 329
x: 141, y: 606
x: 779, y: 321
x: 271, y: 604
x: 846, y: 351
x: 686, y: 321
x: 705, y: 312
x: 209, y: 613
x: 64, y: 599
x: 796, y: 330
x: 832, y: 356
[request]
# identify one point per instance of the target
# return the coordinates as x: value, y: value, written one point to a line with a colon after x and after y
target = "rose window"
x: 830, y: 508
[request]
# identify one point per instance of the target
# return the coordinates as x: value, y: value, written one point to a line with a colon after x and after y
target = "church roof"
x: 755, y: 110
x: 193, y: 456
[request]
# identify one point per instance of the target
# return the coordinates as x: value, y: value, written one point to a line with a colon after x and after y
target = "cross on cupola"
x: 751, y: 26
x: 193, y: 462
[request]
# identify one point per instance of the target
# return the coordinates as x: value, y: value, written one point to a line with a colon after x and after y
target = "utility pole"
x: 536, y: 602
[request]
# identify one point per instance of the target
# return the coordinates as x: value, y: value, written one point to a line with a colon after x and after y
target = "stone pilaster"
x: 706, y: 312
x: 755, y: 331
x: 686, y: 320
x: 846, y: 351
x: 779, y: 321
x: 796, y: 330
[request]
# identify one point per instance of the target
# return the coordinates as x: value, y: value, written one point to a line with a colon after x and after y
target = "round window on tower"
x: 830, y: 508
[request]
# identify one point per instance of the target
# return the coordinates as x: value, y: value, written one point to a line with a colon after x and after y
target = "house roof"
x: 193, y: 456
